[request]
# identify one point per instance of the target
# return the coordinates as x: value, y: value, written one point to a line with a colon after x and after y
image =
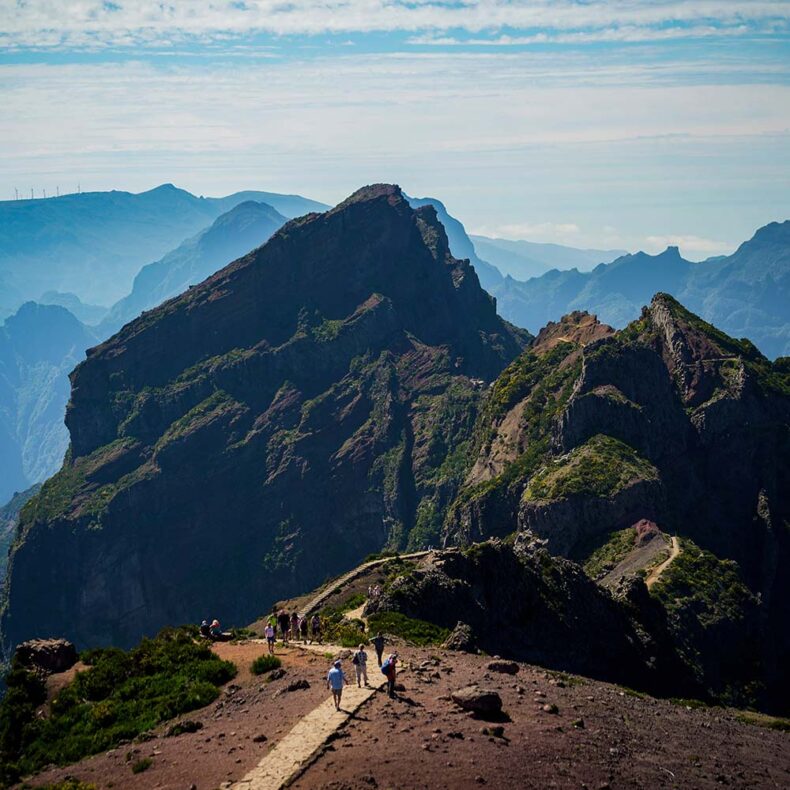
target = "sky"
x: 624, y: 124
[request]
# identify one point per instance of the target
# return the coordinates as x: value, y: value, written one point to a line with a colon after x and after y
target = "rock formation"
x: 271, y: 426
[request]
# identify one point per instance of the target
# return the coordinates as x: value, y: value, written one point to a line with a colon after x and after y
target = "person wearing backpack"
x: 390, y: 670
x: 360, y: 662
x: 316, y: 628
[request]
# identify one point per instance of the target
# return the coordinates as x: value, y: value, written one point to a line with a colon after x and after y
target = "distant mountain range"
x: 93, y: 244
x: 39, y: 346
x: 522, y: 260
x: 746, y: 294
x: 236, y: 232
x: 42, y: 342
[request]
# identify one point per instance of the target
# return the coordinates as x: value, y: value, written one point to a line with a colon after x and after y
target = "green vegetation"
x: 121, y: 695
x: 618, y: 544
x: 763, y: 720
x: 710, y: 588
x: 545, y: 383
x: 70, y: 783
x: 601, y: 467
x: 417, y: 632
x: 265, y: 663
x: 141, y: 765
x: 215, y: 404
x: 327, y: 330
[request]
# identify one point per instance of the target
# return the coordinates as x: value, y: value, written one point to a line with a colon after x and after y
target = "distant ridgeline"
x: 747, y: 294
x: 349, y: 387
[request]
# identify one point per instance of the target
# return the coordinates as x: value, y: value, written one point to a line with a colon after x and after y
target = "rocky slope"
x: 668, y: 421
x: 304, y: 406
x: 745, y: 294
x: 9, y: 518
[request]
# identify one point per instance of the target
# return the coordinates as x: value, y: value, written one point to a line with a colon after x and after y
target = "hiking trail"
x: 294, y: 753
x: 655, y: 574
x: 326, y: 593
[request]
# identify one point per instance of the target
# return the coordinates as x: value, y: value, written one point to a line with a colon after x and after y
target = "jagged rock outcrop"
x: 299, y: 409
x: 47, y: 655
x: 526, y: 605
x: 668, y: 421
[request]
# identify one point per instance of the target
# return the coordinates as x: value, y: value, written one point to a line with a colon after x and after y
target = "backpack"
x: 385, y: 667
x: 355, y: 659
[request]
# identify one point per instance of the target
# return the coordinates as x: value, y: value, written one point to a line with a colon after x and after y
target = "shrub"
x: 121, y: 695
x: 418, y: 632
x: 142, y: 765
x: 265, y: 664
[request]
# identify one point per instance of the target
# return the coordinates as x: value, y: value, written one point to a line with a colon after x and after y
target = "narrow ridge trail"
x: 316, y: 602
x: 655, y: 574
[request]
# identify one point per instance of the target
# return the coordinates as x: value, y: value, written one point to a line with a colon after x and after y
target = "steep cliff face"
x: 669, y: 420
x: 299, y: 409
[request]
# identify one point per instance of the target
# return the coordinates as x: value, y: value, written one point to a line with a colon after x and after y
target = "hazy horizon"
x: 603, y: 124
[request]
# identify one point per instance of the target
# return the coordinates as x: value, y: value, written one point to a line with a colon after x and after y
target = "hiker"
x: 303, y: 629
x: 270, y: 635
x: 390, y: 669
x: 360, y: 662
x: 205, y: 631
x: 378, y: 643
x: 316, y: 628
x: 282, y: 619
x: 216, y: 633
x: 335, y: 680
x: 295, y: 626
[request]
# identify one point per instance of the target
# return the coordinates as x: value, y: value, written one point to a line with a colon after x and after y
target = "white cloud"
x: 123, y: 23
x: 691, y: 247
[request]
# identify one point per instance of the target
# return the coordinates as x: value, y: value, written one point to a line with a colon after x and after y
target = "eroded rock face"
x: 49, y: 655
x: 668, y: 422
x: 274, y: 424
x: 523, y: 604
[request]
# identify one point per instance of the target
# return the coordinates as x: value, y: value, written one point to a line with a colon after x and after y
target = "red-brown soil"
x: 601, y: 736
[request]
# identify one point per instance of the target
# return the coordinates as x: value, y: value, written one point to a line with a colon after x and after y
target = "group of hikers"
x: 336, y: 678
x: 292, y: 627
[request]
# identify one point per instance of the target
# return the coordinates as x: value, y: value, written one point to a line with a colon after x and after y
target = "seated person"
x: 205, y: 632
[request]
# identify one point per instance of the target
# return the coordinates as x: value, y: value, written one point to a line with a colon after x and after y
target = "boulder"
x: 508, y: 667
x: 461, y: 639
x: 50, y: 655
x: 478, y: 700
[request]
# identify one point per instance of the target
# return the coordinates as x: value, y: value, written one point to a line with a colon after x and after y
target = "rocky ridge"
x: 297, y: 410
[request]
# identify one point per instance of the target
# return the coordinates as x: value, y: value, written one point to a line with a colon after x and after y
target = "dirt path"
x: 327, y: 592
x: 655, y: 574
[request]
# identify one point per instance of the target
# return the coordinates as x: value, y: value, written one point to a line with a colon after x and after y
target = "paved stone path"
x: 316, y: 602
x: 294, y: 753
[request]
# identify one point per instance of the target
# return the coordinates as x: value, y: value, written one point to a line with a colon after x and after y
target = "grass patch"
x: 121, y: 695
x: 418, y: 632
x: 142, y: 765
x: 618, y: 544
x: 601, y: 467
x: 763, y: 720
x: 265, y: 664
x: 69, y: 783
